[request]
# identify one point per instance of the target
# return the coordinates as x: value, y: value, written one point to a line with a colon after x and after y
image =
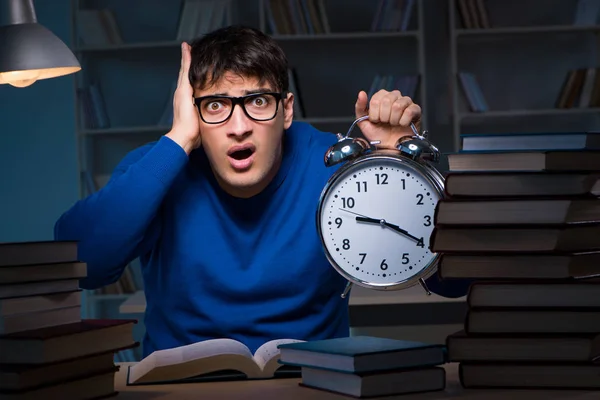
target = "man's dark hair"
x: 241, y: 50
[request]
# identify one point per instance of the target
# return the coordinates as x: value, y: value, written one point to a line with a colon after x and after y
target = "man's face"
x: 245, y: 154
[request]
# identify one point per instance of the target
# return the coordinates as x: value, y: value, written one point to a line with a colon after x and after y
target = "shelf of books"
x: 525, y: 71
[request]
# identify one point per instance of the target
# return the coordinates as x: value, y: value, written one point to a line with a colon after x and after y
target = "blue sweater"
x: 215, y: 265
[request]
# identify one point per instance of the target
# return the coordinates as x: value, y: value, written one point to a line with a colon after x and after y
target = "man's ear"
x: 288, y: 110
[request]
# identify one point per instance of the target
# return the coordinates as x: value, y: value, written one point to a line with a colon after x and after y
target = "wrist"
x: 186, y: 144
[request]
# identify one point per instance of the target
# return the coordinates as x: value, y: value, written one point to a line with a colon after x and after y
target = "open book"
x: 218, y: 358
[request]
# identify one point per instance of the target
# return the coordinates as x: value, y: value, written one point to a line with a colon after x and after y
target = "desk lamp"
x: 28, y: 51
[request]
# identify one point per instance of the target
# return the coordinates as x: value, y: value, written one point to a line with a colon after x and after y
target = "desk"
x: 288, y: 389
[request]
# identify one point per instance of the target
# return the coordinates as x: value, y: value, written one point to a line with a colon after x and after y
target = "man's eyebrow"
x: 259, y: 90
x: 247, y: 91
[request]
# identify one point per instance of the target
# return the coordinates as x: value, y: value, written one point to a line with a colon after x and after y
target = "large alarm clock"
x: 375, y: 213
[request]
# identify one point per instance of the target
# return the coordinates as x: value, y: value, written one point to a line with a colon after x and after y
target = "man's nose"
x: 239, y: 123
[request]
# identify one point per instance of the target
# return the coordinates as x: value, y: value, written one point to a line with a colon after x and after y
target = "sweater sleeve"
x: 122, y: 220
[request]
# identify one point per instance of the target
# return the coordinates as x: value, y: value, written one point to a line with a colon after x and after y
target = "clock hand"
x: 383, y: 222
x: 404, y: 232
x: 352, y: 212
x: 364, y: 218
x: 371, y: 220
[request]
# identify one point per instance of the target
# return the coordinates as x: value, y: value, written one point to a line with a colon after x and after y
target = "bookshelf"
x: 132, y: 65
x: 519, y: 53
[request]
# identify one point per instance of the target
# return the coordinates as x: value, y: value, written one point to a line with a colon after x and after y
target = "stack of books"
x: 46, y: 349
x: 366, y: 366
x: 522, y: 220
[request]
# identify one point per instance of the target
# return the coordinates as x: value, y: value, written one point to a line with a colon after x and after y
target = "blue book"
x: 537, y: 141
x: 356, y: 354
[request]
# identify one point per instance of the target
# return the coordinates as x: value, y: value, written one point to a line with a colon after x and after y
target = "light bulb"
x: 20, y: 78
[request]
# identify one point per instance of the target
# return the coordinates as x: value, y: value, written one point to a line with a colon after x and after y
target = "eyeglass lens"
x: 260, y: 107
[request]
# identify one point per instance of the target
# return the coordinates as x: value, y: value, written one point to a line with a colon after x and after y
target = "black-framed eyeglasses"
x: 216, y: 109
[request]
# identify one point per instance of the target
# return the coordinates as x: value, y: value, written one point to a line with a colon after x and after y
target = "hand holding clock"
x: 390, y: 116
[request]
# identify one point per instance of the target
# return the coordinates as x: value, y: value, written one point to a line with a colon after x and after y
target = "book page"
x: 196, y: 358
x: 213, y: 347
x: 266, y: 356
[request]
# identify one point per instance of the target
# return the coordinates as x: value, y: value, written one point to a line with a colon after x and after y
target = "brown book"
x: 519, y: 266
x: 30, y: 304
x: 516, y: 211
x: 568, y: 238
x: 566, y: 89
x: 21, y: 377
x: 574, y: 93
x: 540, y: 295
x: 523, y: 348
x: 558, y: 160
x: 521, y: 184
x: 67, y: 341
x: 38, y: 288
x: 529, y: 376
x: 532, y: 321
x: 39, y: 319
x: 95, y: 386
x: 42, y: 272
x: 40, y: 252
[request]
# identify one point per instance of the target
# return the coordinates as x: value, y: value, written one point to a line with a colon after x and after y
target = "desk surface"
x: 288, y: 389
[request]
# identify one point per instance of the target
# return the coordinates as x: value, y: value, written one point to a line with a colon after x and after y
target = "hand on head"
x: 390, y: 116
x: 186, y: 119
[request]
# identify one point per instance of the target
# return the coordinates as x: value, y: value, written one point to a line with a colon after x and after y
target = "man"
x: 221, y: 209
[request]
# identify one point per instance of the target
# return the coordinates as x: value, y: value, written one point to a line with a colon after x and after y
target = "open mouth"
x: 241, y: 157
x: 241, y: 154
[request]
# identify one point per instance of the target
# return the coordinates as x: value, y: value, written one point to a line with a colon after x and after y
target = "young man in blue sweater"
x: 221, y: 209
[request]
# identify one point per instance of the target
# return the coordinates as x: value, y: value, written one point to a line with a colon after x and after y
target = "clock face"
x: 375, y: 221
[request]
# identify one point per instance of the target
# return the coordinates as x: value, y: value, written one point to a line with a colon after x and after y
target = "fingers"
x: 183, y: 82
x: 179, y: 78
x: 411, y: 113
x: 360, y: 108
x: 393, y: 108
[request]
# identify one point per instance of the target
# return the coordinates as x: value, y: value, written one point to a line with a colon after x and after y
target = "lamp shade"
x: 28, y: 51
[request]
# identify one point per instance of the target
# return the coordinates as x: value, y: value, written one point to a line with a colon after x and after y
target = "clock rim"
x: 424, y: 169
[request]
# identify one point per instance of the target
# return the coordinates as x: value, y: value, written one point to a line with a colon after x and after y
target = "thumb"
x: 361, y: 106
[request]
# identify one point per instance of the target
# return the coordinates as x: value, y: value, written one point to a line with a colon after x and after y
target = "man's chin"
x: 242, y: 184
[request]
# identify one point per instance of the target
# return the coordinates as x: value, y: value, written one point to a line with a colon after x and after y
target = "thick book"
x: 39, y: 252
x: 21, y: 377
x: 531, y: 141
x: 42, y: 272
x: 207, y: 360
x: 38, y: 288
x: 502, y: 239
x: 525, y: 161
x: 558, y: 348
x: 532, y: 321
x: 63, y: 342
x: 556, y: 265
x: 362, y: 354
x: 31, y: 304
x: 540, y: 295
x: 39, y: 319
x: 95, y: 386
x: 529, y: 376
x: 374, y: 384
x: 481, y: 184
x: 516, y: 212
